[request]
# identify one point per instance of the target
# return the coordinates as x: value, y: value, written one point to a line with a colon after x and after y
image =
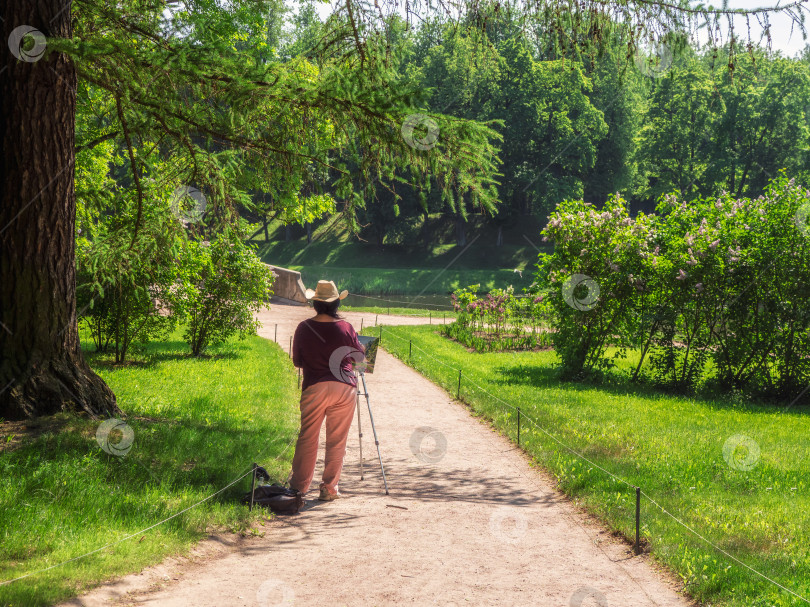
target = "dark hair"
x: 329, y: 308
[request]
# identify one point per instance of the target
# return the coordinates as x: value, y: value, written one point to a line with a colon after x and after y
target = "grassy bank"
x: 412, y: 281
x: 670, y: 446
x: 333, y: 245
x: 197, y: 425
x: 437, y: 268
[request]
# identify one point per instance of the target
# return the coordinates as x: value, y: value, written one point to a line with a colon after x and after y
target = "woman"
x: 324, y: 347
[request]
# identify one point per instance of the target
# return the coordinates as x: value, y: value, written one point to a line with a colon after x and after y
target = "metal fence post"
x: 252, y: 487
x: 637, y: 548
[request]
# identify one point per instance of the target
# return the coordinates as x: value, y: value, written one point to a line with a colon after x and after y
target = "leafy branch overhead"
x: 196, y: 99
x: 209, y: 92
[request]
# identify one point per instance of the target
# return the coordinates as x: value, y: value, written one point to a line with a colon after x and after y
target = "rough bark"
x: 42, y: 370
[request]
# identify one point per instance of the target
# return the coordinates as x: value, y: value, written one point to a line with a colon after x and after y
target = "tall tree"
x: 190, y: 91
x: 678, y: 129
x: 551, y: 128
x: 763, y: 128
x: 619, y: 94
x: 42, y: 367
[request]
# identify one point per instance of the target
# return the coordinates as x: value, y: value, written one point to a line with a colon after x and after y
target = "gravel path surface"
x: 468, y: 522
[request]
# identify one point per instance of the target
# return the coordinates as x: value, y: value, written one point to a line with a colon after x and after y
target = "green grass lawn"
x: 198, y: 424
x: 670, y: 446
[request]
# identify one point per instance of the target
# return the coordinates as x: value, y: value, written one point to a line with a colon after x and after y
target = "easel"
x: 362, y: 377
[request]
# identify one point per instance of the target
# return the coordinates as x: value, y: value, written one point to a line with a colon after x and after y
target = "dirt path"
x: 468, y: 522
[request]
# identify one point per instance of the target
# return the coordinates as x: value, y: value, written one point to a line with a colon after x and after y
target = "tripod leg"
x: 359, y: 431
x: 374, y: 430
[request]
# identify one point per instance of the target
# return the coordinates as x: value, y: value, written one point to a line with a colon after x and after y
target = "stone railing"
x: 288, y: 285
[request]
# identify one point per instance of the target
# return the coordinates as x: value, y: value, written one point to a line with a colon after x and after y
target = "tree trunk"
x: 426, y: 231
x: 499, y: 237
x: 42, y: 370
x: 461, y: 232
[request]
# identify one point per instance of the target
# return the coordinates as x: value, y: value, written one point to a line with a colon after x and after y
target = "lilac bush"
x: 599, y: 268
x: 763, y: 340
x: 711, y: 291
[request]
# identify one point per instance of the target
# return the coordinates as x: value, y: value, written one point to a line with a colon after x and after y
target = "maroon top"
x: 325, y: 351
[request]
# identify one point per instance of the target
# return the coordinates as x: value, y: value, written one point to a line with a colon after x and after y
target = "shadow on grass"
x: 544, y: 376
x: 104, y: 360
x: 178, y: 457
x: 151, y: 354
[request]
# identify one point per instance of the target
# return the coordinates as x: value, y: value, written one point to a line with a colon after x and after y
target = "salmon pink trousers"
x: 334, y: 401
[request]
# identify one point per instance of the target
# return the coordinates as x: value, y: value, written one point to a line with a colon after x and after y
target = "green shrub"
x: 221, y: 284
x: 596, y: 273
x: 713, y: 291
x: 499, y: 321
x: 125, y: 277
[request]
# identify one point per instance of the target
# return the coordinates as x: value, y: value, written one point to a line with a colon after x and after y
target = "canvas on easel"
x: 370, y: 344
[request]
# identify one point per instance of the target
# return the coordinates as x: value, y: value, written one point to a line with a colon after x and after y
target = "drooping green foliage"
x: 191, y: 116
x: 202, y: 98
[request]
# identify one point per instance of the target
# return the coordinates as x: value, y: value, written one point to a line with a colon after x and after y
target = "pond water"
x: 431, y: 302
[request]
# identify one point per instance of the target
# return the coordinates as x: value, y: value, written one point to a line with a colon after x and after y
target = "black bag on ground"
x: 280, y: 500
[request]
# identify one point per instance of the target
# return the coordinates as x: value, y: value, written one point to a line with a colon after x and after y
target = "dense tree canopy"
x: 696, y: 120
x: 113, y: 112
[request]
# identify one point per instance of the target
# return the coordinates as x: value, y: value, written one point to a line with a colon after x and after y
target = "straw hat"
x: 326, y: 291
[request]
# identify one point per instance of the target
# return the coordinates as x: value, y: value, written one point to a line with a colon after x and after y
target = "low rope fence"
x: 147, y: 529
x: 639, y: 493
x: 520, y: 415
